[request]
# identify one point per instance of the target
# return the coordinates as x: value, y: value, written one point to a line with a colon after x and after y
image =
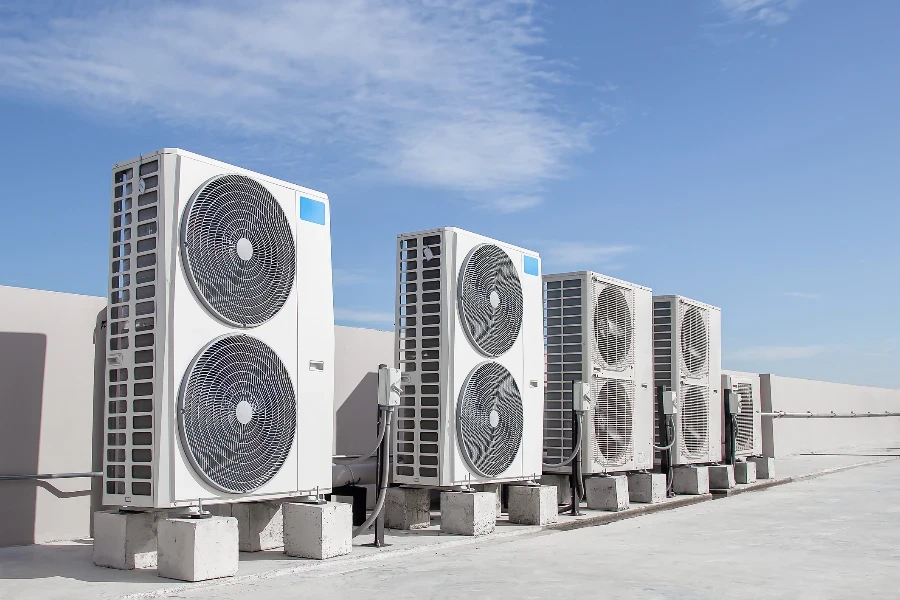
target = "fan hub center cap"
x: 243, y: 412
x: 494, y: 299
x: 494, y: 418
x: 245, y: 249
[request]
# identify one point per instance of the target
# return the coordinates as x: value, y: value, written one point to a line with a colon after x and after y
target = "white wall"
x: 47, y: 408
x: 783, y: 437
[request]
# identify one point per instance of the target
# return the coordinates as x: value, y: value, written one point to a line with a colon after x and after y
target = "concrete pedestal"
x: 468, y: 513
x: 125, y: 540
x: 563, y: 484
x: 765, y: 467
x: 317, y: 530
x: 745, y: 472
x: 407, y: 508
x: 721, y: 477
x: 607, y: 493
x: 494, y: 488
x: 533, y: 504
x: 691, y: 480
x: 198, y: 549
x: 647, y: 488
x: 260, y: 524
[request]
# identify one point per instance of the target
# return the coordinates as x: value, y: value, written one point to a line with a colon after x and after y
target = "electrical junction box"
x: 670, y: 406
x: 734, y: 403
x: 389, y: 389
x: 581, y: 396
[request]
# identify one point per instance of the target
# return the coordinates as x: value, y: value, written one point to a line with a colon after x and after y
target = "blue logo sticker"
x: 531, y: 266
x: 312, y: 210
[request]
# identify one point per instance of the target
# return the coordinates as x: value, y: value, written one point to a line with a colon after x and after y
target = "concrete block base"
x: 198, y: 549
x: 496, y: 489
x: 563, y: 484
x: 691, y: 480
x: 407, y: 508
x: 647, y: 488
x: 533, y: 504
x: 317, y: 531
x: 721, y: 477
x: 765, y: 467
x: 468, y: 513
x: 125, y: 540
x: 745, y: 472
x: 260, y: 524
x: 607, y: 493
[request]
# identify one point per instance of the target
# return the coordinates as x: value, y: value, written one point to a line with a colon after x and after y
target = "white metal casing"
x: 749, y: 421
x: 571, y: 355
x: 669, y: 370
x: 301, y: 334
x: 417, y: 423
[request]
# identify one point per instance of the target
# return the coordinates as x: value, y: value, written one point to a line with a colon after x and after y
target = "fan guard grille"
x: 238, y: 250
x: 744, y: 431
x: 694, y: 340
x: 613, y: 328
x: 237, y: 413
x: 695, y: 422
x: 613, y: 421
x: 489, y: 418
x: 490, y: 300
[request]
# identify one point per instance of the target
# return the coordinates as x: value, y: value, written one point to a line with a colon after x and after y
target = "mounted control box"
x: 389, y: 388
x: 670, y: 406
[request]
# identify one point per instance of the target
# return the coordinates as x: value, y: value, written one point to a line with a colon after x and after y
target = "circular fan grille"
x: 694, y: 422
x: 490, y: 300
x: 613, y: 328
x: 489, y: 419
x: 238, y: 250
x: 613, y: 423
x: 237, y: 413
x: 693, y: 340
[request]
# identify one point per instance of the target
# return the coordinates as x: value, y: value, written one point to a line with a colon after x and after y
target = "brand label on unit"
x: 312, y: 210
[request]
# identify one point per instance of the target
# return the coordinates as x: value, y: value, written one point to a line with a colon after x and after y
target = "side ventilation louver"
x: 745, y: 418
x: 419, y: 340
x: 131, y: 331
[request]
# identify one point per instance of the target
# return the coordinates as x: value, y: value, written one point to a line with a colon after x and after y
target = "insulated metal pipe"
x: 831, y: 415
x: 359, y: 474
x: 51, y: 476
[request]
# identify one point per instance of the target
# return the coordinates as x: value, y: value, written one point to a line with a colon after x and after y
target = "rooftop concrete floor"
x: 836, y: 536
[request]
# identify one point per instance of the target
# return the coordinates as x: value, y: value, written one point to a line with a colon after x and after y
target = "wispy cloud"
x: 356, y: 316
x: 780, y: 352
x: 343, y: 277
x: 582, y: 255
x: 449, y: 94
x: 767, y: 12
x: 802, y: 295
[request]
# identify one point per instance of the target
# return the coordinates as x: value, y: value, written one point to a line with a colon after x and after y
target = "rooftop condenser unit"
x: 220, y: 335
x: 748, y: 433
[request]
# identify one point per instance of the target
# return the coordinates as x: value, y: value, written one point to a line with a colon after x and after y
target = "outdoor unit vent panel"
x: 686, y: 359
x: 210, y: 342
x: 598, y: 330
x: 749, y: 422
x: 468, y: 342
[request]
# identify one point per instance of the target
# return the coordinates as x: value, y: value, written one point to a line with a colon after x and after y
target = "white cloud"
x: 802, y: 295
x: 780, y: 352
x: 341, y: 277
x: 582, y: 255
x: 768, y: 12
x: 442, y: 93
x: 352, y: 315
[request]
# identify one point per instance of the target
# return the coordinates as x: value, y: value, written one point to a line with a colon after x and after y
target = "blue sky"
x: 741, y: 152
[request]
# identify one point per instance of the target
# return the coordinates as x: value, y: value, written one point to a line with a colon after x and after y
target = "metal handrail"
x: 829, y: 415
x: 51, y: 476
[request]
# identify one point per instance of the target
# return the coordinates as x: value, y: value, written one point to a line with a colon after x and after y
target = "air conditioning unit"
x: 687, y: 350
x: 220, y: 335
x: 597, y: 330
x: 468, y: 336
x: 749, y: 422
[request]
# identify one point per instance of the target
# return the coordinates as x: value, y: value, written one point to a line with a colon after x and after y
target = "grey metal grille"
x: 745, y: 418
x: 662, y: 355
x: 237, y: 413
x: 612, y: 417
x: 418, y: 336
x: 694, y: 340
x: 489, y: 419
x: 564, y: 344
x: 613, y: 327
x: 490, y: 300
x: 238, y: 250
x: 694, y: 417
